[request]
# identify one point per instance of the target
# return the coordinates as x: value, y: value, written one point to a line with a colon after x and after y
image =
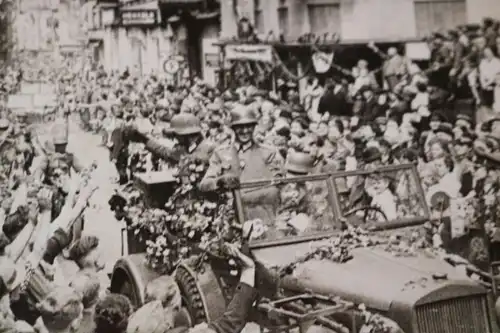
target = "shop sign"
x: 262, y: 53
x: 139, y: 17
x: 417, y: 51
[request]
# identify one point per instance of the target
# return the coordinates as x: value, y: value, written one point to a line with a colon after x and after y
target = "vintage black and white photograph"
x: 250, y: 166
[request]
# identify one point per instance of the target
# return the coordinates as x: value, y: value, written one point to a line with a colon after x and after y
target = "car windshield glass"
x: 380, y: 196
x: 288, y: 207
x: 307, y: 206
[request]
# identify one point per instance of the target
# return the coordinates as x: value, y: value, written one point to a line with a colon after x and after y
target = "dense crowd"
x: 442, y: 119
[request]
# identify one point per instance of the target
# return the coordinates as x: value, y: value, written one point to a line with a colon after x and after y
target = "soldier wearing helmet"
x: 186, y: 129
x: 246, y: 160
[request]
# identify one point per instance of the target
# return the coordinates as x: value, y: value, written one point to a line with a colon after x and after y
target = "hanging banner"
x: 417, y: 51
x: 322, y: 61
x: 262, y: 53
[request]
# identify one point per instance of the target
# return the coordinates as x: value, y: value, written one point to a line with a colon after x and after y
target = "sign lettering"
x: 136, y: 17
x: 262, y: 53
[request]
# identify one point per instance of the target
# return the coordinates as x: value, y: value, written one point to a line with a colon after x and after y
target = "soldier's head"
x: 243, y: 122
x: 298, y: 163
x: 186, y: 127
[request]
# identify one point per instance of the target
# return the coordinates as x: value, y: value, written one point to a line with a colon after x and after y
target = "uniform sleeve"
x: 236, y: 315
x: 222, y: 160
x: 159, y: 149
x: 39, y: 166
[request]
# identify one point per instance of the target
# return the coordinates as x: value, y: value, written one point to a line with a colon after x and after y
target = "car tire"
x: 191, y: 297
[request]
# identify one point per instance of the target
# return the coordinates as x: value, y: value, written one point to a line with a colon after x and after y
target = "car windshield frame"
x: 334, y: 201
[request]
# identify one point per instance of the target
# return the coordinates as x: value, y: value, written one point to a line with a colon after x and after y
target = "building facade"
x: 354, y: 20
x: 148, y: 35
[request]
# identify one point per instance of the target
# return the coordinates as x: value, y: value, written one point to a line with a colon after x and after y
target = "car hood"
x: 373, y: 276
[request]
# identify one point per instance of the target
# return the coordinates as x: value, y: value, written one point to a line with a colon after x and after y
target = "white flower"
x: 161, y: 240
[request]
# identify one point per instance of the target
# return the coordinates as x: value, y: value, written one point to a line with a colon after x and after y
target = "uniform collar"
x: 244, y: 147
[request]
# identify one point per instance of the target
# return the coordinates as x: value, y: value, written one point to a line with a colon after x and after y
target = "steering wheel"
x: 369, y: 214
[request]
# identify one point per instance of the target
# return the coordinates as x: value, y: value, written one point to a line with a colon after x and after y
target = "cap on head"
x: 371, y: 154
x: 299, y: 162
x: 242, y: 115
x: 185, y: 124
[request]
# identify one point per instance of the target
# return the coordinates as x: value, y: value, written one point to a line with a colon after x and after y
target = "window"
x: 324, y: 18
x: 283, y: 20
x: 434, y: 15
x: 259, y: 17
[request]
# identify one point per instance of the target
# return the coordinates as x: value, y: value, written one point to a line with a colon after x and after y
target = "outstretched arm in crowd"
x: 237, y: 313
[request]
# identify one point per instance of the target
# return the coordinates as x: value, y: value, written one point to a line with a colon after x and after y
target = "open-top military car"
x: 390, y: 269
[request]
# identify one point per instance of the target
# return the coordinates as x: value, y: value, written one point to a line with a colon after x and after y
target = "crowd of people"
x: 442, y: 119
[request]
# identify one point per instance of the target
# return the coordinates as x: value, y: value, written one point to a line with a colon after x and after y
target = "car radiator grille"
x: 460, y: 315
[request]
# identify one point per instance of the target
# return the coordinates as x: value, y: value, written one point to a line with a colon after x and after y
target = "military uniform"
x: 181, y: 125
x: 201, y: 150
x: 247, y: 161
x: 250, y: 162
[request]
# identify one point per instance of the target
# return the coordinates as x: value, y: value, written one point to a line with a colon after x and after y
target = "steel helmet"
x: 185, y: 124
x: 299, y: 162
x: 242, y: 115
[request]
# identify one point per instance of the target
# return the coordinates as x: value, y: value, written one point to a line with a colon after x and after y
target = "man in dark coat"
x: 334, y: 100
x: 370, y: 109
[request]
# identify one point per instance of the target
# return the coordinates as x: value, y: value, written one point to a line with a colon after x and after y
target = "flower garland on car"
x: 191, y: 223
x: 339, y: 248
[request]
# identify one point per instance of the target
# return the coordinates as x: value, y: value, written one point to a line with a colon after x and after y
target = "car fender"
x: 132, y: 269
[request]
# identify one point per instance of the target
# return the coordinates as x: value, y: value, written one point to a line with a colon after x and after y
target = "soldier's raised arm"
x: 156, y: 147
x: 223, y: 162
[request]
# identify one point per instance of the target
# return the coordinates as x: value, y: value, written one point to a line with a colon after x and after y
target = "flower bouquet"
x: 191, y: 224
